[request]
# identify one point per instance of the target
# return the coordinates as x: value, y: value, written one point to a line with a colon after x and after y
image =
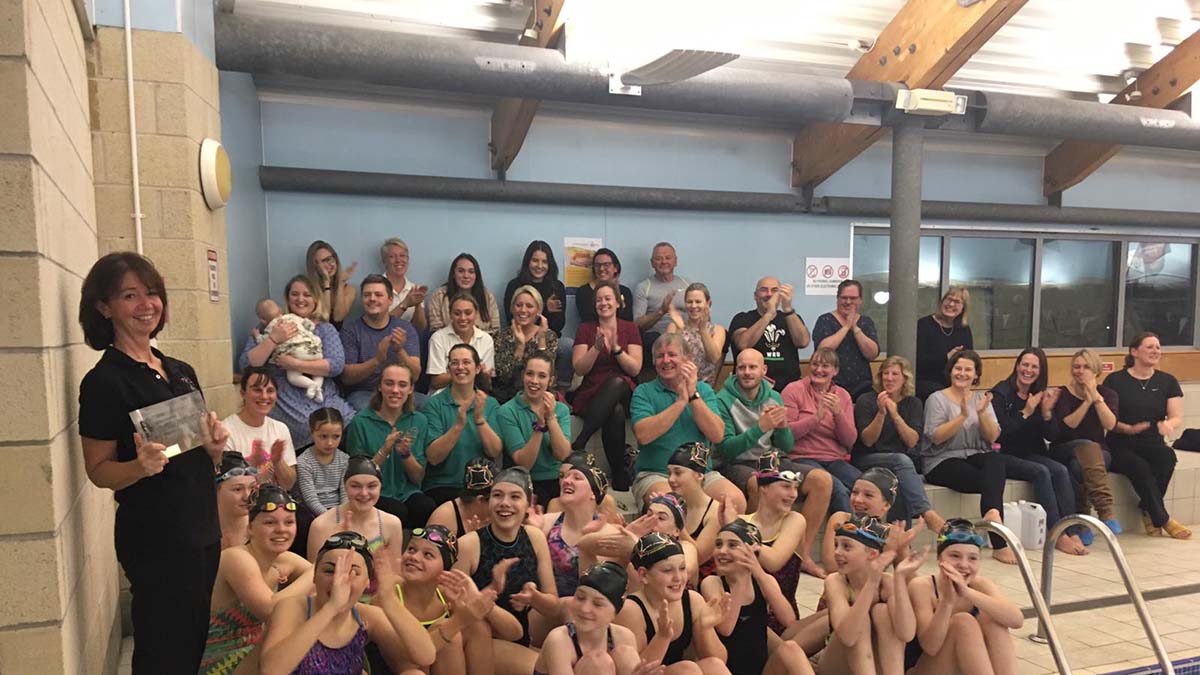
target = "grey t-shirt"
x: 649, y: 294
x: 967, y: 441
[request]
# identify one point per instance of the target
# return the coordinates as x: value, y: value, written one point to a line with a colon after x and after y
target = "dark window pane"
x: 1079, y: 293
x: 1158, y: 291
x: 999, y: 275
x: 871, y: 260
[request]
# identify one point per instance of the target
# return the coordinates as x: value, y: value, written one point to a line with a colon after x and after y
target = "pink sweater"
x: 826, y: 440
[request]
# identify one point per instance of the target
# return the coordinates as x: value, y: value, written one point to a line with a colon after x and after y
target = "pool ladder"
x: 1046, y: 633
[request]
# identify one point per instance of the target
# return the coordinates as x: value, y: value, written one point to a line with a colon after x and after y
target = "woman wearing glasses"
x: 606, y: 267
x: 328, y: 631
x: 361, y: 484
x: 251, y: 579
x: 325, y: 268
x: 963, y: 620
x: 938, y: 336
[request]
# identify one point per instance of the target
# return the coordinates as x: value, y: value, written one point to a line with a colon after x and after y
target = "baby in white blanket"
x: 304, y: 345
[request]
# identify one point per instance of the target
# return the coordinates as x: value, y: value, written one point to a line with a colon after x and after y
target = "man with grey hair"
x: 654, y: 296
x: 671, y: 410
x: 408, y: 297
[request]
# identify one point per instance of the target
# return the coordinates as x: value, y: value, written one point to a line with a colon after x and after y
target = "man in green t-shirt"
x: 669, y: 411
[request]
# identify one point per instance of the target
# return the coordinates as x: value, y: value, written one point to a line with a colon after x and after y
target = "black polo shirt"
x: 177, y: 507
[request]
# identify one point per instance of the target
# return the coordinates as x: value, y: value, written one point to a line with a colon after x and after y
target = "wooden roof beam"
x: 1162, y: 84
x: 923, y: 46
x: 512, y: 117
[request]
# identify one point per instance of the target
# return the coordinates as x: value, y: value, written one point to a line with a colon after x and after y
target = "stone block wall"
x: 58, y: 571
x: 176, y: 107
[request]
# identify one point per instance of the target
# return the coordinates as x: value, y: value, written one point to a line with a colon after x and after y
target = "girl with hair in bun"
x: 870, y: 615
x: 666, y: 617
x: 782, y: 528
x: 873, y: 494
x: 469, y: 510
x: 326, y: 632
x: 590, y: 642
x: 753, y: 647
x: 251, y: 579
x: 513, y: 559
x: 685, y: 475
x: 362, y: 483
x: 666, y: 514
x: 963, y: 620
x: 573, y: 534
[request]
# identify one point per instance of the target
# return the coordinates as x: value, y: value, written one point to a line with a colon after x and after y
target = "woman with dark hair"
x: 607, y: 355
x: 455, y: 439
x: 464, y: 277
x: 393, y: 434
x: 166, y: 513
x: 1023, y: 406
x: 1151, y: 410
x: 294, y: 406
x: 606, y: 267
x: 324, y: 267
x: 960, y: 428
x: 938, y: 336
x: 538, y: 269
x: 265, y: 443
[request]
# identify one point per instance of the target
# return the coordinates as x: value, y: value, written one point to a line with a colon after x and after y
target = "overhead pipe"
x: 263, y: 46
x: 329, y: 181
x: 1019, y: 115
x: 270, y: 46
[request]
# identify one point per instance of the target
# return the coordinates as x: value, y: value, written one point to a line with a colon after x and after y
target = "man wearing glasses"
x: 852, y: 336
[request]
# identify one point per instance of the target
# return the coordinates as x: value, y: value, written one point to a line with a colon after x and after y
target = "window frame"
x: 1122, y: 239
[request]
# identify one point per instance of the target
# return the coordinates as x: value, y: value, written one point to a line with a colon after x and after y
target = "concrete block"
x: 109, y: 52
x: 25, y: 484
x: 194, y: 317
x: 185, y: 215
x: 168, y: 161
x: 65, y: 235
x: 58, y: 68
x: 18, y: 204
x: 68, y: 37
x: 160, y: 56
x: 179, y: 262
x: 111, y: 158
x: 21, y: 272
x: 30, y: 582
x: 110, y: 105
x: 14, y: 107
x: 33, y: 650
x: 202, y: 77
x: 68, y: 164
x: 12, y: 31
x: 114, y: 210
x: 171, y: 106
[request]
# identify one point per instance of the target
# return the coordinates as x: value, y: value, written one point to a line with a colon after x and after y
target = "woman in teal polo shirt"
x: 534, y: 426
x: 462, y: 426
x: 394, y: 434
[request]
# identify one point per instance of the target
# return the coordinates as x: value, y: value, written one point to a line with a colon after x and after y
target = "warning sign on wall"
x: 822, y: 275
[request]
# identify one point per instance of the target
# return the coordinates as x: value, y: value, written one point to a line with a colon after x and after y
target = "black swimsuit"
x: 700, y: 527
x: 458, y: 523
x: 575, y: 641
x: 913, y: 650
x: 678, y: 645
x: 491, y: 551
x: 747, y: 644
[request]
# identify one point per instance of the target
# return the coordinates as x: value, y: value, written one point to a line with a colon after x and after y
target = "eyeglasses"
x: 237, y: 472
x: 849, y: 298
x: 327, y: 259
x: 604, y: 264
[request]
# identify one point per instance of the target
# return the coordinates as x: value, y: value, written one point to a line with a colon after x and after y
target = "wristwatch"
x: 618, y: 351
x: 537, y: 426
x: 787, y: 313
x: 694, y: 397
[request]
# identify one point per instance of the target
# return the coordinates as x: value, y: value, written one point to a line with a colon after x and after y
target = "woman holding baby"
x: 295, y: 403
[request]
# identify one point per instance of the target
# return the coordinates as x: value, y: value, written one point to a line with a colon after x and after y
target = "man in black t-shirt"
x: 773, y: 328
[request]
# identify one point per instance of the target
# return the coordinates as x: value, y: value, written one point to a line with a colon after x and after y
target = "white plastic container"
x: 1033, y: 525
x: 1014, y: 517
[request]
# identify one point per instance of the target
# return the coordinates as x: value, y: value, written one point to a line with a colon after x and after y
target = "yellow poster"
x: 578, y: 260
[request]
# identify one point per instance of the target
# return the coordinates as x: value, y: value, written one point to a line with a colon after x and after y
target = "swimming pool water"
x: 1189, y: 666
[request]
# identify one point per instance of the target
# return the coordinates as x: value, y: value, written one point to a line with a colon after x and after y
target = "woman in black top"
x: 1024, y: 408
x: 1151, y: 410
x: 606, y: 266
x: 938, y: 336
x: 538, y: 269
x: 168, y: 537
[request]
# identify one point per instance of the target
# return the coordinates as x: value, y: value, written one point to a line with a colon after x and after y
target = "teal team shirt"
x: 365, y: 436
x: 651, y: 398
x: 516, y: 426
x: 442, y: 412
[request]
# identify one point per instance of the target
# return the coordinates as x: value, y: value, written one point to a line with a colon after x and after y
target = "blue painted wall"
x: 727, y: 251
x: 246, y: 212
x: 194, y: 18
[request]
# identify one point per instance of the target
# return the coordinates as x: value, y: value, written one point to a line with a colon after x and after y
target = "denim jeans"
x: 1051, y: 482
x: 844, y: 475
x: 912, y: 500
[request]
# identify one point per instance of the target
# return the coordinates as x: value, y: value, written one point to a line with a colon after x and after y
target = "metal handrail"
x: 1039, y: 603
x: 1045, y: 628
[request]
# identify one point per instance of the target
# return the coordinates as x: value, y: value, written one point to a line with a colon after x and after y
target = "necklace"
x: 942, y: 328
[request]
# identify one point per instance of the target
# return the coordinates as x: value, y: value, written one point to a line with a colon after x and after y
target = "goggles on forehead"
x: 789, y: 476
x: 237, y: 472
x: 275, y: 506
x: 853, y: 529
x: 961, y: 537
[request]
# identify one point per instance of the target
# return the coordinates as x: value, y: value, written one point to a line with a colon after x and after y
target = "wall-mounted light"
x: 216, y: 174
x: 1131, y: 75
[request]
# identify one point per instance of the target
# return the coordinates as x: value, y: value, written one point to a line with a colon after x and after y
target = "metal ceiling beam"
x: 512, y: 117
x: 1074, y: 160
x: 922, y: 47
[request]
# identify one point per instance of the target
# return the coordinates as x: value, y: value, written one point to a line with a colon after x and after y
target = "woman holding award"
x: 167, y: 535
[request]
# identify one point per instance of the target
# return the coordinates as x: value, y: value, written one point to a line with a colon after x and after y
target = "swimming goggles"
x: 237, y: 472
x: 853, y: 529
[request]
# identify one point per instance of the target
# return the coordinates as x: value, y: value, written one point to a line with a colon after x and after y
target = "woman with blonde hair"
x: 889, y: 426
x: 528, y: 335
x: 939, y: 335
x: 706, y: 339
x: 324, y: 267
